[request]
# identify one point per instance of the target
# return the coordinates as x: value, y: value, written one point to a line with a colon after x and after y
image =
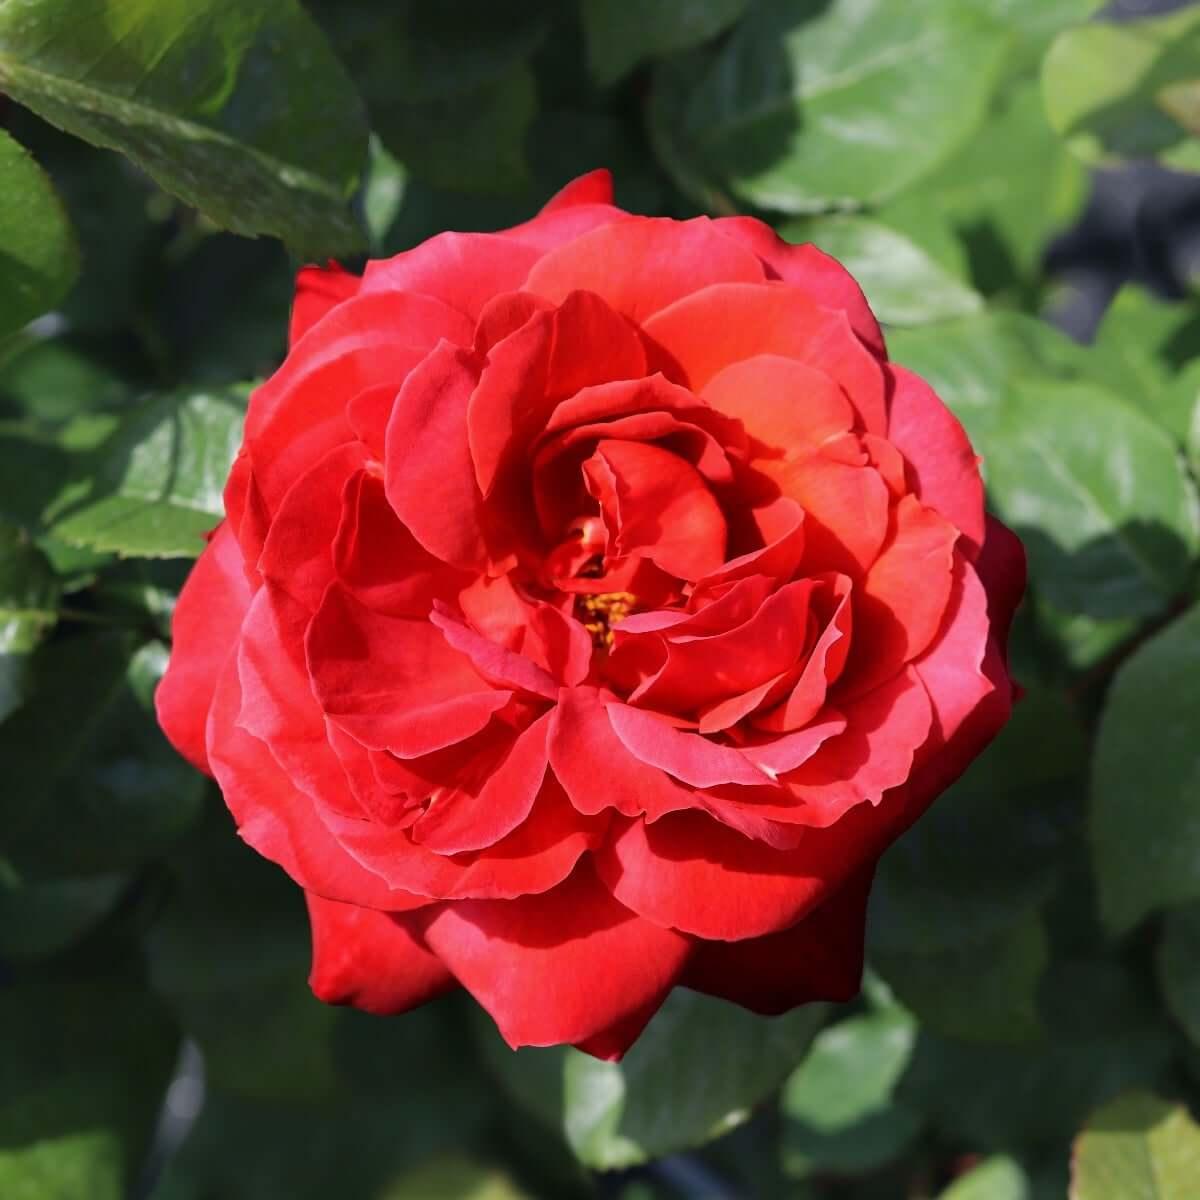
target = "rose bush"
x: 595, y: 603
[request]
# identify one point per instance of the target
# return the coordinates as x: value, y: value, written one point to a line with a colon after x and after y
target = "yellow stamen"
x: 600, y: 612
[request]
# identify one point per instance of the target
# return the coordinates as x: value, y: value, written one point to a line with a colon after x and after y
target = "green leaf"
x: 38, y: 255
x: 1138, y: 1145
x: 91, y: 784
x: 1098, y: 494
x: 819, y: 104
x: 998, y: 1178
x: 81, y: 1079
x: 29, y: 595
x: 994, y: 997
x: 1107, y: 513
x: 453, y: 1179
x: 154, y: 487
x: 241, y: 111
x: 972, y: 362
x: 240, y: 988
x: 1036, y: 22
x: 44, y: 918
x: 978, y: 864
x: 839, y: 1109
x: 473, y: 141
x: 662, y: 1096
x: 1128, y: 90
x: 903, y: 284
x: 1152, y: 340
x: 1005, y: 192
x: 449, y: 85
x: 1179, y: 967
x: 1104, y: 1033
x: 1146, y: 853
x: 620, y: 35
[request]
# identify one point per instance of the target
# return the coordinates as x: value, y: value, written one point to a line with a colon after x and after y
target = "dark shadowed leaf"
x: 92, y: 785
x: 1145, y: 818
x: 29, y: 594
x: 1179, y: 967
x: 81, y: 1080
x: 621, y: 35
x: 1103, y: 1035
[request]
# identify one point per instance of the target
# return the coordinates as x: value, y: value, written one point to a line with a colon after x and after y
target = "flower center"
x: 601, y: 611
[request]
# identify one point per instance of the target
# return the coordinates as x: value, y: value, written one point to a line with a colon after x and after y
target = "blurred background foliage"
x: 1033, y: 997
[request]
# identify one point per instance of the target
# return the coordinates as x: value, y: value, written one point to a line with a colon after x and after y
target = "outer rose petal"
x: 463, y: 270
x: 823, y: 277
x: 689, y: 873
x: 204, y: 629
x: 565, y: 966
x: 318, y: 289
x: 944, y: 467
x: 709, y: 329
x: 596, y: 187
x: 1001, y: 568
x: 370, y: 959
x: 643, y: 265
x: 279, y: 821
x: 299, y: 414
x: 819, y: 958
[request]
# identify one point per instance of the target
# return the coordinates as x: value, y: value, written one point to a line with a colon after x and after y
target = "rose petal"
x: 643, y: 264
x: 565, y: 966
x: 318, y: 289
x: 462, y: 270
x: 818, y: 958
x: 299, y: 414
x: 370, y: 960
x: 538, y: 855
x: 393, y: 683
x: 687, y: 756
x: 596, y: 187
x: 277, y: 819
x: 379, y: 561
x: 657, y: 506
x: 900, y: 603
x: 278, y: 706
x: 688, y: 872
x: 204, y: 629
x: 552, y: 356
x: 472, y: 818
x: 296, y: 556
x: 595, y: 768
x: 708, y: 330
x: 428, y: 474
x: 821, y: 276
x: 944, y: 466
x: 498, y: 665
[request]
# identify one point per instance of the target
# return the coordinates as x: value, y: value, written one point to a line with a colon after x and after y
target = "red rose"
x: 595, y: 604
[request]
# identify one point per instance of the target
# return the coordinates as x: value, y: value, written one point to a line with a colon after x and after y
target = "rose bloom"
x: 595, y: 603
